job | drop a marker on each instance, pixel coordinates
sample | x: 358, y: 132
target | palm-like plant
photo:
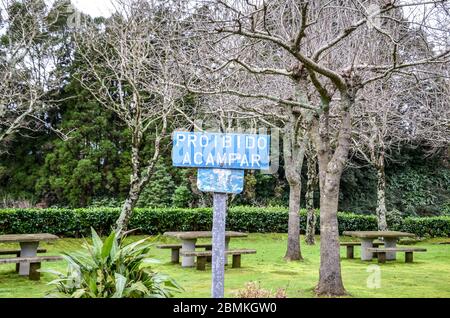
x: 111, y: 269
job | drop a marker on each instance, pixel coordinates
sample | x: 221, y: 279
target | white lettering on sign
x: 250, y: 143
x: 203, y: 141
x: 227, y: 141
x: 244, y: 161
x: 187, y: 159
x: 233, y: 157
x: 221, y: 150
x: 221, y: 160
x: 192, y: 139
x: 256, y: 159
x: 210, y: 160
x: 227, y: 158
x: 262, y: 143
x: 181, y: 138
x: 198, y: 158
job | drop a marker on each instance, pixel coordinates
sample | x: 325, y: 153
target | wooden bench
x: 175, y: 258
x: 381, y: 252
x: 35, y: 263
x: 17, y: 253
x: 351, y: 247
x: 202, y: 256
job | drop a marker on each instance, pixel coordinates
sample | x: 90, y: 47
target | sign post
x: 221, y: 159
x: 218, y: 244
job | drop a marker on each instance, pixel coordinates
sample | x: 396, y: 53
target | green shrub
x: 111, y: 269
x: 76, y: 223
x: 428, y: 227
x: 181, y: 196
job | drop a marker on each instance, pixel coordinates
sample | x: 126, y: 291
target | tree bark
x: 331, y: 166
x: 309, y: 197
x: 127, y: 208
x: 133, y: 192
x: 330, y: 279
x: 294, y: 152
x: 138, y: 179
x: 293, y: 251
x: 381, y: 195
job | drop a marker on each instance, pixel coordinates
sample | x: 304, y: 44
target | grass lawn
x: 428, y: 276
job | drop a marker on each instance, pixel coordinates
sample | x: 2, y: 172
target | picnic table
x: 367, y: 238
x: 29, y: 244
x: 189, y: 239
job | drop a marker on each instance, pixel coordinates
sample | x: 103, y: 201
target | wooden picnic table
x: 29, y: 244
x: 189, y: 239
x: 367, y: 237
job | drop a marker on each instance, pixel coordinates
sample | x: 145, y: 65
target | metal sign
x: 221, y: 150
x: 222, y: 159
x: 220, y: 180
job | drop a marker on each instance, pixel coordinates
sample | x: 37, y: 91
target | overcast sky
x: 105, y: 8
x: 94, y: 7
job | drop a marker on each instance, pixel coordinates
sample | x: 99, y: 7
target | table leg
x: 390, y: 243
x: 365, y: 244
x: 227, y: 242
x: 27, y: 249
x: 188, y: 245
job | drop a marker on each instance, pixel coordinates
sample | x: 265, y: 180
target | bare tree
x: 129, y: 70
x: 27, y: 66
x: 337, y: 48
x: 379, y: 129
x: 400, y: 110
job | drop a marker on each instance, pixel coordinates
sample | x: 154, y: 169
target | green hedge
x: 431, y: 227
x: 76, y: 223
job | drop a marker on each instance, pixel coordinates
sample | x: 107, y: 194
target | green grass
x: 428, y: 276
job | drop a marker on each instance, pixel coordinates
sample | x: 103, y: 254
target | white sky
x: 94, y: 8
x: 104, y: 8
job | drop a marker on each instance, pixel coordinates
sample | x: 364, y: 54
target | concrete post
x: 188, y: 246
x: 365, y: 244
x: 27, y: 249
x: 218, y: 244
x: 390, y: 242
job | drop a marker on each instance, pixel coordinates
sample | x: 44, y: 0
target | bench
x: 35, y: 263
x: 381, y: 252
x: 175, y: 259
x: 351, y: 247
x: 202, y: 256
x: 17, y: 253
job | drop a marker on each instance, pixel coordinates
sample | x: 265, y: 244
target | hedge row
x: 76, y: 223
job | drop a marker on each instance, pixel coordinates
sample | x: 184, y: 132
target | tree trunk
x: 135, y: 186
x: 138, y: 179
x: 331, y: 166
x: 293, y: 251
x: 381, y: 195
x: 330, y: 279
x: 294, y: 152
x: 309, y: 197
x: 127, y: 208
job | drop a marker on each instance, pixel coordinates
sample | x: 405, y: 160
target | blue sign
x: 221, y: 150
x: 220, y: 180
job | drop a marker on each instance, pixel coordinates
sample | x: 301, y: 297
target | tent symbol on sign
x: 220, y: 180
